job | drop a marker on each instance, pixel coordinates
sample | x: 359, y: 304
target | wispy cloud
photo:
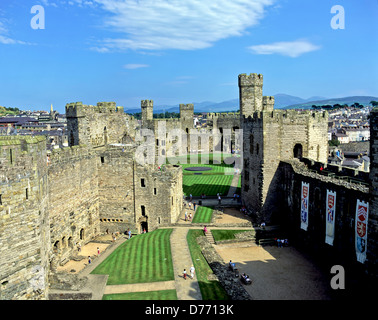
x: 135, y: 66
x: 178, y: 24
x: 291, y: 49
x: 5, y: 39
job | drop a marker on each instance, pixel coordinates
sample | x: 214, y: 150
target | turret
x: 268, y: 103
x: 147, y: 110
x: 250, y: 93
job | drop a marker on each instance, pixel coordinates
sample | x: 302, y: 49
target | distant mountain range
x: 282, y: 101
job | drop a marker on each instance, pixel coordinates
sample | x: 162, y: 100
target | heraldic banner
x: 362, y: 213
x: 304, y: 205
x: 330, y: 217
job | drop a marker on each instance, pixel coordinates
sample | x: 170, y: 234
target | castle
x: 49, y: 203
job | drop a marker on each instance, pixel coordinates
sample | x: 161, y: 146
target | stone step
x: 209, y: 237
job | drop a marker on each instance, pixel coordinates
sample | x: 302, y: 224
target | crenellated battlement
x: 78, y: 109
x: 147, y: 103
x: 188, y: 106
x: 250, y: 80
x: 288, y: 116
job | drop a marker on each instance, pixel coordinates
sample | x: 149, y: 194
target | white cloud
x: 291, y: 49
x: 135, y: 66
x: 4, y: 39
x: 178, y: 24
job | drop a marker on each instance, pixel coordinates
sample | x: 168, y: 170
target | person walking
x: 184, y: 274
x: 192, y: 269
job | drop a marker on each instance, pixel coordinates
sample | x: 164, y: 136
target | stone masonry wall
x: 24, y: 234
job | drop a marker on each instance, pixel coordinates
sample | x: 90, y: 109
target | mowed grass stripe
x: 134, y: 261
x: 209, y: 185
x: 203, y: 215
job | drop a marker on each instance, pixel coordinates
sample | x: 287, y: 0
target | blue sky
x: 182, y: 51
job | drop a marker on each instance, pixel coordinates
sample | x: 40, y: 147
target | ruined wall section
x: 158, y: 195
x: 73, y: 199
x: 99, y: 125
x: 24, y: 218
x: 116, y: 188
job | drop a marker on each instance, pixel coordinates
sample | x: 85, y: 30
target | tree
x: 374, y: 103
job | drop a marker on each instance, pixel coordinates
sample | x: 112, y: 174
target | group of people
x: 191, y: 270
x: 188, y: 217
x: 282, y: 242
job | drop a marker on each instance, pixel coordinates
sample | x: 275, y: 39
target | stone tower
x: 250, y: 93
x: 97, y: 125
x: 186, y: 115
x: 269, y: 137
x: 147, y: 110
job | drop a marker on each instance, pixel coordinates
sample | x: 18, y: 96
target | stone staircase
x: 209, y: 236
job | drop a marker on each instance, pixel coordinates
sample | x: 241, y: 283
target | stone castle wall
x: 342, y: 252
x: 73, y: 199
x: 24, y: 218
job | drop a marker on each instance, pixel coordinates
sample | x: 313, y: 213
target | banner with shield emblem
x: 330, y: 217
x: 362, y: 214
x: 304, y: 205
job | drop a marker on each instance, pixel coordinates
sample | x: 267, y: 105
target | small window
x: 143, y: 209
x: 11, y: 156
x: 27, y: 193
x: 142, y: 183
x: 102, y: 160
x: 154, y: 193
x: 1, y: 200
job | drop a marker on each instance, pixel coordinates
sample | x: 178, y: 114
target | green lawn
x: 210, y: 289
x: 207, y: 184
x: 225, y: 234
x: 148, y: 295
x: 203, y: 215
x: 143, y: 258
x: 217, y: 180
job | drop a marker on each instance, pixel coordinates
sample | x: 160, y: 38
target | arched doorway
x: 298, y: 151
x: 144, y: 226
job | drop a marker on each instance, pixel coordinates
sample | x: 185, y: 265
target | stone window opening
x: 142, y: 183
x: 298, y: 151
x: 143, y: 210
x: 27, y: 194
x: 155, y: 192
x: 102, y: 160
x: 82, y: 234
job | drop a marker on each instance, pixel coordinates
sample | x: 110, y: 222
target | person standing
x: 184, y: 274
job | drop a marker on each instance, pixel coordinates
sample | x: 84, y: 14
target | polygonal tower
x: 250, y: 93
